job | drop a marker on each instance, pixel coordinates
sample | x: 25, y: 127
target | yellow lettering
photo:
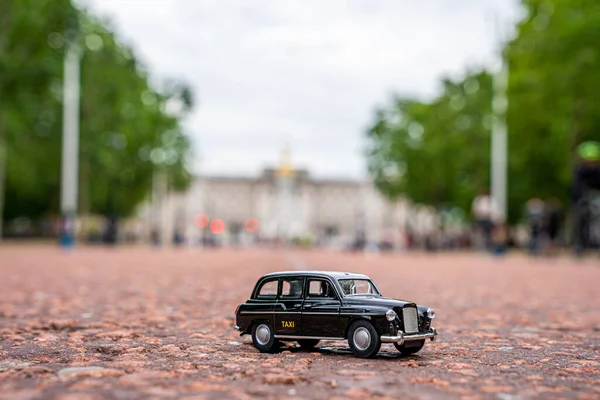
x: 287, y: 324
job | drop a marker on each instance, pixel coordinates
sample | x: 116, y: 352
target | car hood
x: 376, y: 301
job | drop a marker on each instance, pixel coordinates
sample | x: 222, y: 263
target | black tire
x: 414, y: 348
x: 363, y: 339
x: 263, y: 338
x: 308, y: 343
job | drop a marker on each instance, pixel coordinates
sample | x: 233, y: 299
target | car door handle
x: 298, y: 305
x: 308, y: 306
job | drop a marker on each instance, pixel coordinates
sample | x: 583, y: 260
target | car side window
x: 320, y: 288
x: 268, y: 290
x: 292, y: 288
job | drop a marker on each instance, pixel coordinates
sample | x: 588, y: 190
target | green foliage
x: 553, y: 96
x: 128, y: 129
x: 437, y: 152
x: 27, y: 68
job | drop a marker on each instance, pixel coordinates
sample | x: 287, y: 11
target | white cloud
x: 305, y: 71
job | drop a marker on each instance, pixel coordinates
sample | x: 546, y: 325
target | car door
x: 288, y: 308
x: 321, y: 309
x: 261, y: 304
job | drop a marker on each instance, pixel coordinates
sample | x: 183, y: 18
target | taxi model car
x: 309, y: 306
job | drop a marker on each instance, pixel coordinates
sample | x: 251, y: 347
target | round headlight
x: 430, y: 313
x: 391, y: 315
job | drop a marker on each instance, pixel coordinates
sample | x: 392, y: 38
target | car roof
x: 331, y: 274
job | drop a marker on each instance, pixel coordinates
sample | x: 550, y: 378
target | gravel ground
x: 143, y: 323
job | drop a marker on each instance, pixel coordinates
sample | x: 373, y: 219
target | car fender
x: 373, y: 319
x: 258, y: 321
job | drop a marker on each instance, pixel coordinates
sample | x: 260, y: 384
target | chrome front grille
x: 411, y: 322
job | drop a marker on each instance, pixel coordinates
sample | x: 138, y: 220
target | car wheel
x: 263, y: 338
x: 363, y: 339
x: 308, y: 343
x: 414, y: 347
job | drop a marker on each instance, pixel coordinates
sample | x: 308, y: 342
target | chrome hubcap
x: 362, y: 338
x: 263, y: 334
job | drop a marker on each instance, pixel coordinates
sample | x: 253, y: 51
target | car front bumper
x: 403, y: 337
x: 239, y: 328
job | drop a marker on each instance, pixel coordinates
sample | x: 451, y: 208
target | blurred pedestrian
x: 553, y: 224
x: 155, y: 237
x: 111, y: 230
x: 178, y: 238
x: 535, y: 223
x: 500, y: 239
x: 485, y: 211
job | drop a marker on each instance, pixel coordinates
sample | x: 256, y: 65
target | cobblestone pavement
x: 144, y: 323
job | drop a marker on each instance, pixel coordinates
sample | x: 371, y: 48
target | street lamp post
x: 70, y: 144
x: 499, y: 142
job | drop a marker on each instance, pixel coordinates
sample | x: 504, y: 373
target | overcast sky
x: 304, y: 72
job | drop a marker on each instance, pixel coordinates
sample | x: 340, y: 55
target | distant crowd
x: 542, y: 231
x: 546, y: 221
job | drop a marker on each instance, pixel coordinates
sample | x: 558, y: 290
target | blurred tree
x: 28, y: 67
x: 553, y: 96
x: 435, y: 152
x: 438, y: 152
x: 129, y: 130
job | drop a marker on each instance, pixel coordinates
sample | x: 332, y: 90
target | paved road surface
x: 159, y: 324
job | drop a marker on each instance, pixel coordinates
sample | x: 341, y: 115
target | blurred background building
x: 284, y: 204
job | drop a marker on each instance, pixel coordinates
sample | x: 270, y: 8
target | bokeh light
x: 217, y: 226
x: 252, y: 225
x: 201, y: 220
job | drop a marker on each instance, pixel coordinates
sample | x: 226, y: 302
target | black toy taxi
x: 309, y: 306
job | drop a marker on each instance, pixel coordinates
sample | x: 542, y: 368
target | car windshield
x: 358, y: 287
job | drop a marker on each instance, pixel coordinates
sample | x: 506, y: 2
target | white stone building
x: 288, y: 204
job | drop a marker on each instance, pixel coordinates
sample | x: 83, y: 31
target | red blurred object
x: 201, y: 221
x: 217, y: 226
x: 252, y: 225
